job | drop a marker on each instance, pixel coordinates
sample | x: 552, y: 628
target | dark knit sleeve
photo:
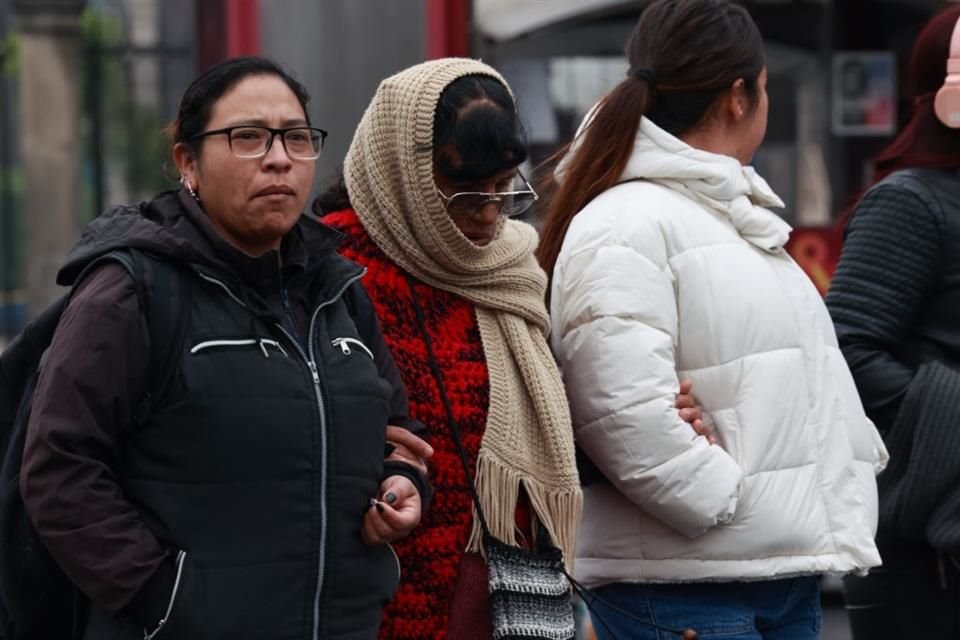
x: 921, y: 485
x: 889, y: 266
x: 368, y: 326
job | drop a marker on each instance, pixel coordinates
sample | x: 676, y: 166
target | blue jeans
x: 786, y: 609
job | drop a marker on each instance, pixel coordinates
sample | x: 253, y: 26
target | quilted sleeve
x: 889, y: 266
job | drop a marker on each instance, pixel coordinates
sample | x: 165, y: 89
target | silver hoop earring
x: 186, y: 185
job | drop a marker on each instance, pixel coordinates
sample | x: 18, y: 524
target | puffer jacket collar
x: 716, y: 181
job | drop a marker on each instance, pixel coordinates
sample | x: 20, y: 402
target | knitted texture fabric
x: 528, y: 439
x: 529, y: 593
x: 430, y: 556
x: 894, y: 301
x: 920, y: 489
x: 894, y: 263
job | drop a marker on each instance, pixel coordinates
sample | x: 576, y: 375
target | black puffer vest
x: 259, y: 466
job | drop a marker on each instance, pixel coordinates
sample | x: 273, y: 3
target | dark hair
x: 924, y: 142
x: 693, y: 50
x: 476, y: 116
x: 333, y: 195
x: 199, y: 98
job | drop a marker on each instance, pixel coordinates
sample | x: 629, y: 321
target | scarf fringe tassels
x: 528, y: 437
x: 558, y: 511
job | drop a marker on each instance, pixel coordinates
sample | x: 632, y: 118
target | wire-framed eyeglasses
x: 252, y: 141
x: 509, y: 203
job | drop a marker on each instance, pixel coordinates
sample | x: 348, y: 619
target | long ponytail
x: 603, y: 150
x: 683, y: 55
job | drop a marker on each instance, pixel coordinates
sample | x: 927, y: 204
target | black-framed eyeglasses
x: 252, y: 141
x: 509, y: 203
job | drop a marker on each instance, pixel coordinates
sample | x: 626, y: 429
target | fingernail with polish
x: 373, y: 503
x: 390, y: 498
x: 379, y: 507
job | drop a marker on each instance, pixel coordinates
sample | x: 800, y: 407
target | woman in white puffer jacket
x: 667, y: 264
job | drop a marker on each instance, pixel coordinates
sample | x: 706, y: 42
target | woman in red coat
x: 430, y: 184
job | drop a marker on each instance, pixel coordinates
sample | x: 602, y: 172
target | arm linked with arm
x: 368, y: 326
x: 618, y: 326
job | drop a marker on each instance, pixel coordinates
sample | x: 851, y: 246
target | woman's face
x: 253, y: 202
x: 480, y: 226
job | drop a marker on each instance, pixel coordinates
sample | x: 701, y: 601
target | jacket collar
x: 174, y: 227
x: 306, y: 257
x: 715, y: 181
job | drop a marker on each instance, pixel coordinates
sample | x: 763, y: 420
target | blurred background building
x: 86, y: 87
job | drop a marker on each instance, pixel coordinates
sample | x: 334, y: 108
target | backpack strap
x: 36, y: 599
x: 20, y: 367
x: 19, y: 363
x: 361, y: 311
x: 164, y: 293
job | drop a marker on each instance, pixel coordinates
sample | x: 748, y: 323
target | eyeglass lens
x: 509, y: 204
x: 468, y: 204
x: 251, y: 142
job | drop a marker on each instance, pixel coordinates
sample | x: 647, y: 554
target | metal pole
x: 129, y: 120
x: 95, y: 107
x: 834, y: 152
x: 8, y: 261
x: 50, y: 104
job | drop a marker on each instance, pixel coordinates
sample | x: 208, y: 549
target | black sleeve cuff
x: 412, y: 425
x: 151, y: 602
x: 400, y: 468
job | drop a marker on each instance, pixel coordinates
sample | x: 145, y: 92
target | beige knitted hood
x: 528, y: 439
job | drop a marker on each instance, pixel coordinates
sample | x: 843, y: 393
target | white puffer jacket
x: 681, y: 273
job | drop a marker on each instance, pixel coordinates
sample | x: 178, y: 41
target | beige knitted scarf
x: 528, y: 438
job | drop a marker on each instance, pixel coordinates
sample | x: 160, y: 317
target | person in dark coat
x: 895, y: 302
x: 253, y: 500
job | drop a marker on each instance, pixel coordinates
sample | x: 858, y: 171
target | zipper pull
x: 263, y: 348
x: 313, y: 371
x: 344, y: 347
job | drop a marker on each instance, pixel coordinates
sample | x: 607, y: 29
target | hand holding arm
x: 409, y: 448
x: 617, y: 323
x: 692, y: 413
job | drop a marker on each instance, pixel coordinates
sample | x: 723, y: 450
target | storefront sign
x: 864, y: 93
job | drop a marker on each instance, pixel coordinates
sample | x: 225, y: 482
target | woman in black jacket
x: 251, y: 500
x: 895, y: 301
